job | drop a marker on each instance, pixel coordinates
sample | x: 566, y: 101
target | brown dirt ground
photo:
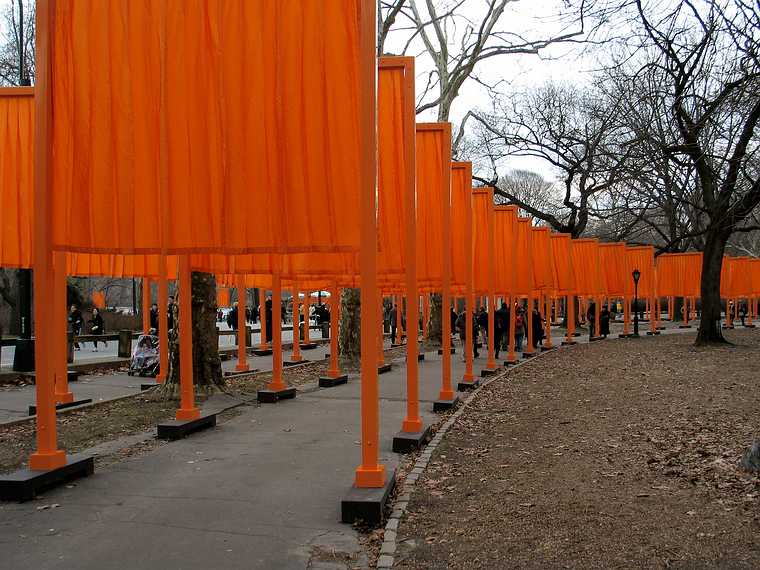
x: 618, y: 454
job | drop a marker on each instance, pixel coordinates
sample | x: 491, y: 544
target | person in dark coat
x: 170, y: 313
x: 97, y: 327
x: 500, y: 327
x: 453, y: 319
x: 394, y: 323
x: 461, y: 327
x: 482, y: 319
x: 537, y: 322
x: 75, y: 320
x: 154, y: 317
x: 232, y: 317
x: 268, y: 313
x: 591, y: 318
x: 604, y: 321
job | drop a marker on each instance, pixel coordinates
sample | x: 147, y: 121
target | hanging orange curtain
x: 433, y: 200
x: 99, y: 299
x: 16, y: 176
x: 222, y: 297
x: 614, y: 268
x: 562, y: 261
x: 483, y: 240
x: 119, y: 266
x: 505, y: 247
x: 524, y: 257
x: 588, y: 278
x: 226, y: 125
x: 642, y: 258
x: 543, y: 272
x: 395, y: 131
x: 461, y: 215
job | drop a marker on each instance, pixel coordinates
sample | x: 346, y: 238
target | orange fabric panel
x: 562, y: 260
x: 588, y: 277
x: 543, y: 272
x: 222, y: 297
x: 16, y: 176
x: 678, y: 274
x: 119, y: 266
x: 614, y: 268
x: 99, y: 299
x: 483, y: 239
x: 395, y: 132
x: 505, y: 247
x: 754, y: 267
x: 736, y: 277
x: 217, y: 125
x: 524, y: 257
x: 461, y: 216
x: 433, y: 169
x: 642, y: 258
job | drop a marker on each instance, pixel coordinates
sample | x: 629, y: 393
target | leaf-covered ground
x: 618, y: 454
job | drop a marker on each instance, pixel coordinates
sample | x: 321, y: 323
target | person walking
x: 394, y: 323
x: 482, y: 320
x: 500, y: 327
x: 232, y: 317
x: 170, y: 313
x: 268, y: 314
x: 519, y: 329
x: 97, y: 327
x: 75, y: 323
x: 154, y: 317
x: 461, y: 327
x: 604, y: 321
x: 537, y: 322
x: 743, y: 312
x: 591, y: 318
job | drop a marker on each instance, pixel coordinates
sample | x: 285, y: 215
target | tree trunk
x: 349, y: 336
x: 712, y: 261
x: 207, y: 367
x: 435, y: 325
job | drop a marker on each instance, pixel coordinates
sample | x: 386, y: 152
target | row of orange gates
x: 280, y: 154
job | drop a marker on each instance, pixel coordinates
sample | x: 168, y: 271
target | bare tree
x: 577, y: 133
x: 705, y: 57
x: 17, y: 50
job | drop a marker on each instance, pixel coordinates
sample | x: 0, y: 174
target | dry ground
x: 618, y: 454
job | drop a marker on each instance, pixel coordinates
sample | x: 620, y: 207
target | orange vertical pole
x: 626, y: 316
x: 187, y: 409
x: 62, y: 393
x: 529, y: 324
x: 685, y: 309
x: 750, y: 310
x: 370, y: 473
x: 306, y: 308
x: 277, y: 384
x: 163, y: 322
x: 334, y: 371
x: 412, y: 422
x: 47, y: 456
x: 381, y: 336
x: 548, y: 319
x: 425, y: 314
x: 296, y: 355
x: 397, y: 340
x: 652, y: 315
x: 511, y: 356
x: 242, y: 363
x: 469, y: 356
x: 146, y: 304
x: 263, y: 320
x: 491, y: 361
x: 570, y: 310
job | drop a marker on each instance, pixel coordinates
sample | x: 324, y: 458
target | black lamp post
x: 636, y: 276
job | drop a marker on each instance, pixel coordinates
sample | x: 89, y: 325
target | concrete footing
x: 178, y: 429
x: 330, y: 382
x: 367, y: 505
x: 466, y: 385
x: 32, y: 410
x: 25, y: 484
x: 274, y: 396
x: 405, y: 442
x: 382, y: 369
x: 444, y: 405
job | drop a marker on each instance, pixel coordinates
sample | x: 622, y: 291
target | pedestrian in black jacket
x: 97, y: 327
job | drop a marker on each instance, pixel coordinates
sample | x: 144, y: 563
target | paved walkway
x: 262, y: 490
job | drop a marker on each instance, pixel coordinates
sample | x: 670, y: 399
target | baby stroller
x: 145, y: 360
